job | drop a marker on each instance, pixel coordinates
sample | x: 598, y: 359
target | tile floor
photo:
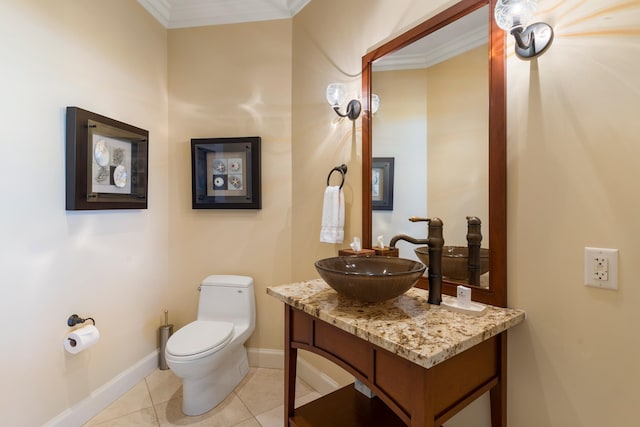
x: 157, y: 401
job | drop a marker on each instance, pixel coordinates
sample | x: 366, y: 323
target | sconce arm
x: 523, y: 38
x: 353, y: 110
x: 533, y: 40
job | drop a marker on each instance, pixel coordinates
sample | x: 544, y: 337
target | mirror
x: 441, y: 118
x: 434, y: 124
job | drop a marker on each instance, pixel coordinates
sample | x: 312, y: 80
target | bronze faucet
x: 474, y: 237
x: 435, y: 241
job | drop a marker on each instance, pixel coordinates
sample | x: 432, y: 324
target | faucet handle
x: 474, y: 231
x: 417, y: 219
x: 473, y: 220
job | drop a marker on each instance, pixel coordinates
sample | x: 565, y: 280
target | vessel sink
x: 454, y: 260
x: 370, y: 278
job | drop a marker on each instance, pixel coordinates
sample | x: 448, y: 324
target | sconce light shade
x: 512, y: 13
x: 512, y: 16
x: 336, y: 95
x: 375, y: 103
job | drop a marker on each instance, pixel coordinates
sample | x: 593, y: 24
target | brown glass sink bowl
x: 454, y: 260
x: 371, y: 278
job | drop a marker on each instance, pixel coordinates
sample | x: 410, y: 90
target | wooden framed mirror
x: 491, y: 157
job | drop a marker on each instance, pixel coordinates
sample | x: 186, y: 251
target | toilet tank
x: 227, y: 298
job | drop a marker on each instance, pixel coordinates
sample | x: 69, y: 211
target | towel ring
x: 342, y: 169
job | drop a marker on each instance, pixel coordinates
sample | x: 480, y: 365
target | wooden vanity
x: 423, y: 362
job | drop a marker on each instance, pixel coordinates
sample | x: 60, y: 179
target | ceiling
x: 196, y: 13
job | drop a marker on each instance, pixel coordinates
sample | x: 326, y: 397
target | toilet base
x: 200, y: 395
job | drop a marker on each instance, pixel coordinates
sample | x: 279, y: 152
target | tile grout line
x: 153, y: 405
x: 247, y: 408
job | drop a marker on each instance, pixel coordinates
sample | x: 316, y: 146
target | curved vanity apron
x: 199, y: 339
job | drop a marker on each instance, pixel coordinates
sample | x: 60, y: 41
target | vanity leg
x: 290, y: 359
x: 422, y: 410
x: 498, y: 394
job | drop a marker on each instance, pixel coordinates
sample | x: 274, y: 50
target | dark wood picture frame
x: 226, y: 173
x: 106, y: 163
x: 382, y: 183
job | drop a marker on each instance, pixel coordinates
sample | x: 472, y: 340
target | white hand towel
x: 332, y: 230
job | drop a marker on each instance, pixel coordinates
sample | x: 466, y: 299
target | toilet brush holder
x: 165, y: 332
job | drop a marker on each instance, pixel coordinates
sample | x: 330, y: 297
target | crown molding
x: 195, y: 13
x: 296, y: 6
x: 434, y: 54
x: 159, y: 9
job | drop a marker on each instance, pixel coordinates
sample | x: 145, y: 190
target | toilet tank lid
x: 228, y: 280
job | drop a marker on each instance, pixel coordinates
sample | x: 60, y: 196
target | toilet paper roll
x: 81, y: 339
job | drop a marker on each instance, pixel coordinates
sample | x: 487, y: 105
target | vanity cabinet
x: 423, y: 363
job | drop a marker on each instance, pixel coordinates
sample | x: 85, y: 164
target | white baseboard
x: 89, y: 407
x: 265, y: 358
x: 269, y: 358
x: 98, y: 400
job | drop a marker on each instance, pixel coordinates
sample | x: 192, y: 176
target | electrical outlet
x: 601, y: 268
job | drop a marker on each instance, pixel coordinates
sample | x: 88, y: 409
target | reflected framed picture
x: 107, y: 163
x: 382, y: 183
x: 225, y: 173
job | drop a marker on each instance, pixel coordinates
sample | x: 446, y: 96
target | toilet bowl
x: 208, y: 354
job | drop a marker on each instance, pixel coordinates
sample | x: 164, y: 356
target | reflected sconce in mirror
x: 336, y: 95
x: 531, y: 41
x: 375, y: 103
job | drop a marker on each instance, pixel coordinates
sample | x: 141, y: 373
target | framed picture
x: 382, y: 183
x: 107, y: 163
x: 225, y: 173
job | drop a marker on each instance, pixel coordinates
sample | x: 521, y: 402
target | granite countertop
x: 407, y: 325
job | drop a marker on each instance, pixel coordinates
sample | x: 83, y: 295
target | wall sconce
x: 512, y: 15
x: 336, y: 95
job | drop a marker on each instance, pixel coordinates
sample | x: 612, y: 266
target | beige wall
x: 231, y: 81
x: 329, y: 39
x: 110, y: 58
x: 572, y: 182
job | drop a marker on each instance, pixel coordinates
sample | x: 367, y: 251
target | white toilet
x: 209, y: 354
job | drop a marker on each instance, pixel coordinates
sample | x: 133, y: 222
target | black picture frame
x: 382, y: 183
x: 226, y: 173
x: 106, y: 163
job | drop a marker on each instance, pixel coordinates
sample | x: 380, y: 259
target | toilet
x: 208, y: 354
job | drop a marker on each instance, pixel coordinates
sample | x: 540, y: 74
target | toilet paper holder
x: 80, y: 338
x: 74, y: 319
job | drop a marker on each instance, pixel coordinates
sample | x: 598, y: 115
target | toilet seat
x: 199, y: 339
